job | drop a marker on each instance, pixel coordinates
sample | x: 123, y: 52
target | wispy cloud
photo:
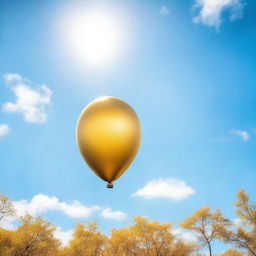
x: 115, y: 215
x: 242, y: 134
x: 164, y: 10
x: 210, y: 11
x: 30, y: 102
x: 172, y: 189
x: 4, y: 130
x: 12, y: 77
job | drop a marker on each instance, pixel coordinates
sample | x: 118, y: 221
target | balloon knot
x: 110, y: 185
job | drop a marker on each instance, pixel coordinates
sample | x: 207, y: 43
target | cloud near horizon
x: 31, y: 102
x: 63, y: 235
x: 41, y: 204
x: 186, y: 235
x: 172, y: 189
x: 211, y: 11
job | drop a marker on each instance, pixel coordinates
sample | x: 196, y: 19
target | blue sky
x: 186, y: 67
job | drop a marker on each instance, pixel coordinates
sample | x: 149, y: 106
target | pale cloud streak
x: 31, y: 102
x: 164, y: 10
x: 13, y: 77
x: 115, y: 215
x: 4, y: 130
x: 244, y: 135
x: 172, y: 189
x: 210, y: 11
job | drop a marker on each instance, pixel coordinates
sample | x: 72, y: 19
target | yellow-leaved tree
x: 205, y: 225
x: 153, y: 237
x: 35, y: 237
x: 231, y: 252
x: 242, y: 234
x: 86, y: 241
x: 147, y: 238
x: 122, y: 242
x: 6, y: 242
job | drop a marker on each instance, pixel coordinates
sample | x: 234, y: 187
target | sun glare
x: 93, y: 36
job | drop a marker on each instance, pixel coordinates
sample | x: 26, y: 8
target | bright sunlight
x: 93, y: 36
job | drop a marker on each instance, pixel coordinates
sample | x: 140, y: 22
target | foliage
x: 242, y: 234
x: 87, y: 240
x: 232, y: 253
x: 35, y: 236
x: 145, y: 237
x: 205, y: 224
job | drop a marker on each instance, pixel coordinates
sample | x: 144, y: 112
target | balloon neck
x: 110, y: 185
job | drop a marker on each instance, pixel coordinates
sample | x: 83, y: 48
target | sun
x: 94, y: 36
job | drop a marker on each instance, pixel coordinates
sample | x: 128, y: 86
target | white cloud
x: 41, y: 203
x: 185, y: 235
x: 164, y: 10
x: 63, y: 236
x: 4, y: 130
x: 8, y: 223
x: 12, y: 77
x: 172, y: 189
x: 243, y: 134
x: 30, y: 102
x: 211, y: 11
x: 107, y: 213
x: 237, y: 221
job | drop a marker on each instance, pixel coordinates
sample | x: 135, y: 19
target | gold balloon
x: 108, y: 137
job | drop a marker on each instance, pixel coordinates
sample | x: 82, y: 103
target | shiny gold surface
x: 108, y: 136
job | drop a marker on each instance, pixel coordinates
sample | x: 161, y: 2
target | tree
x: 87, y: 241
x: 122, y: 242
x: 153, y: 237
x: 6, y: 207
x: 205, y: 225
x: 6, y: 241
x: 146, y: 238
x: 231, y: 252
x: 35, y: 237
x: 182, y: 248
x: 243, y: 233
